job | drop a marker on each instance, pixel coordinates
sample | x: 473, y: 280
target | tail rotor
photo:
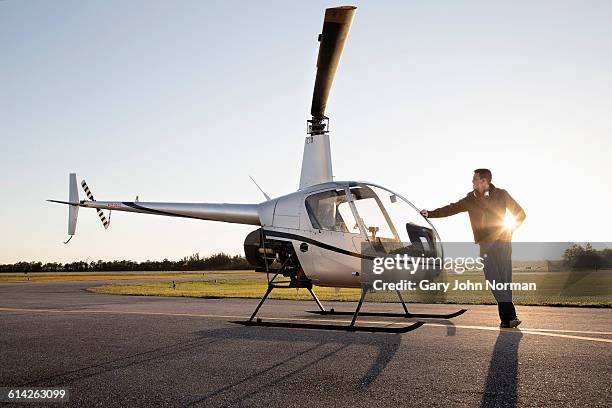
x: 105, y: 222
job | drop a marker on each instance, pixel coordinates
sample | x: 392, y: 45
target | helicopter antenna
x: 260, y: 189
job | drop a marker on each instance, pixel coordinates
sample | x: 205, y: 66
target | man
x: 486, y: 206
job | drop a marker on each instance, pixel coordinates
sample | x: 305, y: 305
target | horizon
x: 522, y: 252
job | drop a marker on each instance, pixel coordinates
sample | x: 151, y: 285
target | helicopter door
x: 334, y: 230
x: 375, y: 220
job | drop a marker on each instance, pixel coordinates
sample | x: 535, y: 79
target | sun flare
x: 509, y: 221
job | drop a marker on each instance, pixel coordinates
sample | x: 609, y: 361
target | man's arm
x: 516, y: 210
x: 448, y: 210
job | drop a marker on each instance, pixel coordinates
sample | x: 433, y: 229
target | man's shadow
x: 502, y: 380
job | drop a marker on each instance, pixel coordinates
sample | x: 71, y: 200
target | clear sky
x: 182, y: 100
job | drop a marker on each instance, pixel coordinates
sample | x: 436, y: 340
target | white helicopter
x: 316, y: 235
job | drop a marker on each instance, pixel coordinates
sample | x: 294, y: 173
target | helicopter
x: 317, y: 234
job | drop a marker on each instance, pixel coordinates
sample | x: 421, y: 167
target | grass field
x: 123, y: 275
x: 581, y: 288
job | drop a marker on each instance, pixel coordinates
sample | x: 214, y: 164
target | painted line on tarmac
x: 539, y: 332
x: 568, y: 331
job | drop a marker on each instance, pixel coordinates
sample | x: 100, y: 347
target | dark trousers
x: 498, y: 269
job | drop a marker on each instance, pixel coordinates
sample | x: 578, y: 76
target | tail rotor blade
x: 90, y: 196
x: 336, y: 27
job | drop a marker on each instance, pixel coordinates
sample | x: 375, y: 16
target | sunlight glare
x: 509, y: 221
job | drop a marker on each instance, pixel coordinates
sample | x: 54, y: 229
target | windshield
x: 391, y: 222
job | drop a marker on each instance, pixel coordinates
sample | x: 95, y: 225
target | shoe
x: 510, y: 324
x: 514, y: 322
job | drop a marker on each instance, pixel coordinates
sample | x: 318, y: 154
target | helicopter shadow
x: 132, y: 360
x: 387, y: 346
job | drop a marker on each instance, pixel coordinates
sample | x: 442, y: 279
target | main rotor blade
x: 336, y: 26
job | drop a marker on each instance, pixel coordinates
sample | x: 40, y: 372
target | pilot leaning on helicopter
x: 486, y: 206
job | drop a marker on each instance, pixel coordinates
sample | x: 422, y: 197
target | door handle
x: 304, y: 247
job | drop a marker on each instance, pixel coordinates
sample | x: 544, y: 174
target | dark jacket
x: 487, y: 213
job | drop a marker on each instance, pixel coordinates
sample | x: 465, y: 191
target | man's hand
x: 424, y: 213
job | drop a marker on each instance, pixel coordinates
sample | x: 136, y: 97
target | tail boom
x: 232, y: 213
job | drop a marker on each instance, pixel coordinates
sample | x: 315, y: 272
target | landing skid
x: 307, y: 284
x: 406, y: 313
x: 332, y: 312
x: 370, y: 329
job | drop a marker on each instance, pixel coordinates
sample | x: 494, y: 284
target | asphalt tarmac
x: 149, y: 351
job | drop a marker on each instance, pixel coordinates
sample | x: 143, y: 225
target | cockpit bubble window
x: 373, y: 215
x: 391, y: 221
x: 330, y: 210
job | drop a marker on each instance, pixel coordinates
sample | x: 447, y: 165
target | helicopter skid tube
x: 335, y: 327
x: 406, y: 313
x: 383, y: 314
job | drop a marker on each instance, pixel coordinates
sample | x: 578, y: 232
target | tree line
x: 220, y: 261
x: 583, y: 257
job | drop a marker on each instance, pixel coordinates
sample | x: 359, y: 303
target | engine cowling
x: 269, y: 255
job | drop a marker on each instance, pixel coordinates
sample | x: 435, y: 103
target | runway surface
x: 149, y: 351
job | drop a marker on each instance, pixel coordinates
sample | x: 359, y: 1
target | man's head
x: 481, y: 180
